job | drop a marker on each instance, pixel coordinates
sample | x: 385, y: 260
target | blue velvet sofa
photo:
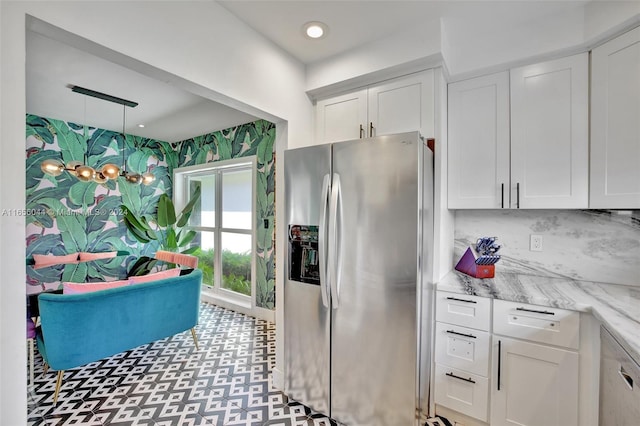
x: 77, y: 329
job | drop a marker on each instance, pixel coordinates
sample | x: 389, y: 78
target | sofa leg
x: 195, y: 338
x: 58, y: 385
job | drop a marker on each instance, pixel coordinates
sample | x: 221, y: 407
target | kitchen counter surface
x: 616, y: 306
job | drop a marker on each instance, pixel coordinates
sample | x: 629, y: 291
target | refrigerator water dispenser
x: 303, y: 254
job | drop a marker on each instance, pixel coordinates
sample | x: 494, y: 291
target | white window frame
x: 217, y: 294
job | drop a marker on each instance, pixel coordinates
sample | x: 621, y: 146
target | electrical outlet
x: 535, y: 242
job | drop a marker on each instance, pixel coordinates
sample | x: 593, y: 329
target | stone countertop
x: 616, y: 306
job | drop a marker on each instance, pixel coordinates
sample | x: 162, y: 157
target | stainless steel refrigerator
x: 357, y: 297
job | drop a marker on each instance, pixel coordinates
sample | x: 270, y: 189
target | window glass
x: 204, y: 213
x: 236, y: 199
x: 236, y: 262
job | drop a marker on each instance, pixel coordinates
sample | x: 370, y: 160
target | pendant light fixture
x: 83, y: 171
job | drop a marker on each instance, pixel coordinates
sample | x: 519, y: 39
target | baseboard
x: 259, y: 313
x: 277, y: 379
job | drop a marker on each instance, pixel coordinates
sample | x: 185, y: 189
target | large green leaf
x: 72, y: 145
x: 137, y: 227
x: 186, y: 211
x: 75, y: 272
x: 171, y: 243
x: 34, y: 160
x: 166, y: 211
x: 49, y: 243
x: 40, y: 128
x: 186, y: 238
x: 137, y: 162
x: 83, y: 193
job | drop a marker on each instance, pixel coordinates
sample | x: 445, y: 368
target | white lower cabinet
x: 515, y: 364
x: 533, y: 384
x: 462, y: 353
x: 464, y: 392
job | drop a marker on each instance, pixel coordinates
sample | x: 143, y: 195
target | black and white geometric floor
x: 168, y: 382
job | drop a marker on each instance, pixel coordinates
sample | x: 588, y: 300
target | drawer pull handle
x: 535, y: 311
x: 461, y: 300
x: 461, y: 378
x: 461, y: 334
x: 499, y: 361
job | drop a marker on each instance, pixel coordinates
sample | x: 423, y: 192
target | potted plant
x: 168, y: 228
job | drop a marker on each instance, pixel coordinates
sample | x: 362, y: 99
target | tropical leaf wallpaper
x: 64, y: 215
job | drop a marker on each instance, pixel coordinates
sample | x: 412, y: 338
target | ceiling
x: 172, y: 114
x: 353, y: 23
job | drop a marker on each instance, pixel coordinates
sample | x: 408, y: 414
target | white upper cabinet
x: 519, y: 139
x: 615, y: 123
x: 404, y: 104
x: 479, y: 142
x: 550, y: 134
x: 341, y: 118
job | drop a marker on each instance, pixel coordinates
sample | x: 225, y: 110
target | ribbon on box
x: 479, y: 261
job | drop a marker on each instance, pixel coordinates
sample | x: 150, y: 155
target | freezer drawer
x: 619, y: 384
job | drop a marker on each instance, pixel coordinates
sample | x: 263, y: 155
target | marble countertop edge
x: 616, y: 306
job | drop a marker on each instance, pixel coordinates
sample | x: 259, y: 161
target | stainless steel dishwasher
x: 619, y: 384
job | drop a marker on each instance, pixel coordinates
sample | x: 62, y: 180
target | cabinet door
x: 615, y: 123
x: 405, y: 104
x: 341, y: 118
x: 533, y: 384
x: 479, y: 143
x: 549, y: 134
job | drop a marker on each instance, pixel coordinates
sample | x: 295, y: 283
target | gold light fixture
x: 84, y: 172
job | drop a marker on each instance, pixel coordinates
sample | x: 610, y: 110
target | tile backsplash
x: 589, y: 245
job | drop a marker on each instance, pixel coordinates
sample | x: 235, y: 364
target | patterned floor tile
x: 169, y: 382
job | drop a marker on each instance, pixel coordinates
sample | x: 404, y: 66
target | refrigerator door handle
x: 335, y: 240
x: 322, y: 246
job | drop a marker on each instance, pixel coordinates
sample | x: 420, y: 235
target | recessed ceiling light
x: 315, y: 29
x: 141, y: 125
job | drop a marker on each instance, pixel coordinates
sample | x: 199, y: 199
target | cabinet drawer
x: 464, y: 310
x: 462, y: 348
x: 537, y: 323
x: 462, y: 391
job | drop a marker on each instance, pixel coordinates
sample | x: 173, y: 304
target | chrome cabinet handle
x: 535, y: 311
x: 518, y: 195
x: 461, y: 334
x: 461, y: 378
x: 502, y: 202
x: 371, y: 129
x: 361, y: 131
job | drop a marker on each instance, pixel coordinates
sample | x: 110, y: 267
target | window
x: 224, y: 222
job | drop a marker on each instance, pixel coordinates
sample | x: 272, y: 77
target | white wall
x: 469, y: 45
x: 407, y: 47
x: 199, y: 42
x: 601, y: 17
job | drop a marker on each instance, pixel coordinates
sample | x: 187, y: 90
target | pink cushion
x: 167, y: 256
x: 77, y: 288
x: 185, y: 260
x: 50, y: 259
x: 93, y: 256
x: 174, y: 272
